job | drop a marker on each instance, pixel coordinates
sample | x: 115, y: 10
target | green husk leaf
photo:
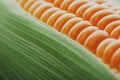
x: 31, y: 50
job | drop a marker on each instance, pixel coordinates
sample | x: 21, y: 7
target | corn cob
x: 41, y: 53
x: 90, y: 24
